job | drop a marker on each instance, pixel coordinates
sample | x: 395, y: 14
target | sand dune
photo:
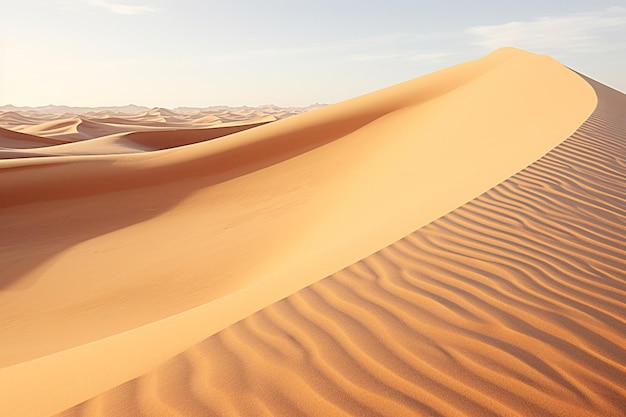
x: 97, y: 124
x: 512, y: 304
x: 108, y: 134
x: 13, y: 119
x: 54, y: 127
x: 10, y: 139
x: 145, y: 140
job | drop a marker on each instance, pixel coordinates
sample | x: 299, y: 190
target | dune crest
x: 513, y: 304
x: 189, y: 240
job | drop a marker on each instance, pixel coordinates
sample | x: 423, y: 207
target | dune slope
x: 113, y: 264
x: 16, y: 140
x: 513, y: 304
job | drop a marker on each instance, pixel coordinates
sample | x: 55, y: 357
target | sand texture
x: 470, y: 223
x: 513, y: 304
x: 35, y: 134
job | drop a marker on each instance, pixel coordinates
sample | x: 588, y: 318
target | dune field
x: 452, y: 245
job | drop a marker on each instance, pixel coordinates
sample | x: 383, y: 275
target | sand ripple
x: 513, y: 304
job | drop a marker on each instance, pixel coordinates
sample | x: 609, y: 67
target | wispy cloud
x: 373, y: 57
x: 583, y: 32
x: 401, y: 56
x: 429, y: 56
x: 120, y: 8
x: 382, y: 47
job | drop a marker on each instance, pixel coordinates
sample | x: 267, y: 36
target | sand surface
x: 125, y: 248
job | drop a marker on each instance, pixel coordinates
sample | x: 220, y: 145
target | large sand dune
x: 113, y: 263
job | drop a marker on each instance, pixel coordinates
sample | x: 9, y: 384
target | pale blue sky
x: 245, y: 52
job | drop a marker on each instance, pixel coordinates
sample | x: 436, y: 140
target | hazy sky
x: 249, y: 52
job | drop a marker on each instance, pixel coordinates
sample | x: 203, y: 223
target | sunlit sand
x: 451, y: 245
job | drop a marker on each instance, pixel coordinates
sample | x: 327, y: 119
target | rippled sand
x: 470, y: 221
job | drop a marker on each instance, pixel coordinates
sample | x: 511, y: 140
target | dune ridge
x: 139, y: 140
x: 98, y: 123
x: 10, y: 139
x: 104, y: 133
x: 188, y: 240
x: 513, y: 304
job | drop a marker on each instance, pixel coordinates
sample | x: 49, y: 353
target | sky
x: 198, y: 53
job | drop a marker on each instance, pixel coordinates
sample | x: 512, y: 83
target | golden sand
x: 130, y: 242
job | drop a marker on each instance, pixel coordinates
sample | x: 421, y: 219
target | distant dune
x: 451, y: 245
x: 132, y: 109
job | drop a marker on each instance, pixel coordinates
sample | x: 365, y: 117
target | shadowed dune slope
x: 114, y: 263
x: 17, y: 140
x: 150, y: 139
x: 97, y: 124
x: 513, y: 304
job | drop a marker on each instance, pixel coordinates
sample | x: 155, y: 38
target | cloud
x: 374, y: 57
x: 126, y: 9
x: 429, y: 56
x: 583, y: 32
x: 401, y: 56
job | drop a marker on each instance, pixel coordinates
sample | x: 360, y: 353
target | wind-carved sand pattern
x: 513, y: 304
